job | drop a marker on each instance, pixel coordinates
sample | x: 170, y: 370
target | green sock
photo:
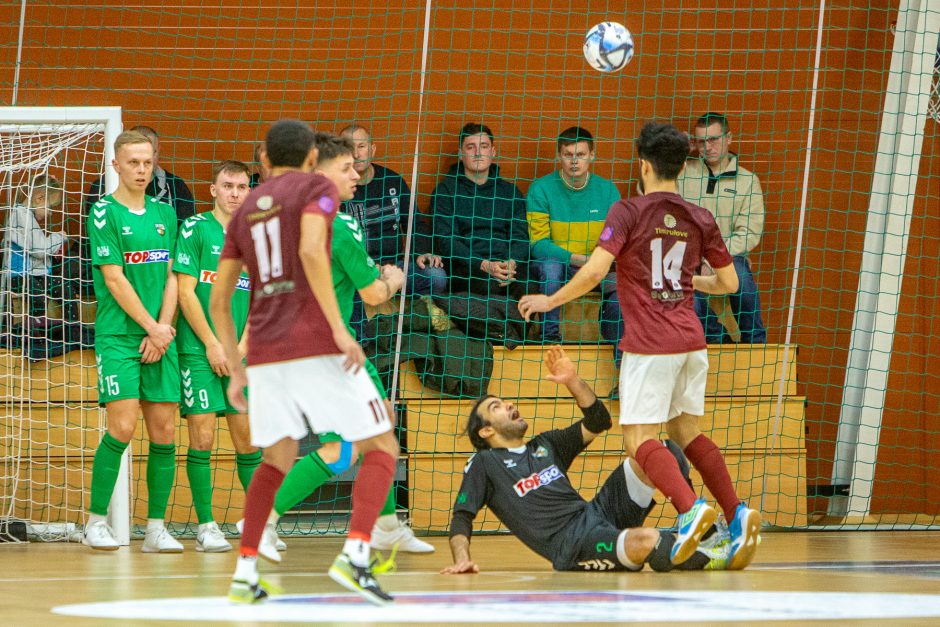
x: 200, y: 483
x: 308, y: 474
x: 389, y: 507
x: 104, y: 472
x: 245, y: 465
x: 161, y: 474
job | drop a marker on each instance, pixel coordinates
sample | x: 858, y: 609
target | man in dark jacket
x: 479, y: 219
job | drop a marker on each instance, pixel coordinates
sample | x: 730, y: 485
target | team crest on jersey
x: 670, y: 221
x: 537, y: 479
x: 134, y: 257
x: 607, y: 233
x: 208, y: 276
x: 264, y: 203
x: 161, y: 230
x: 326, y: 204
x: 540, y: 452
x: 104, y: 251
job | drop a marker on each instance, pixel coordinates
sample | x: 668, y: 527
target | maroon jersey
x: 659, y: 241
x: 285, y: 320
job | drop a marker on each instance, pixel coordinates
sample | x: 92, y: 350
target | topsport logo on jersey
x: 146, y: 256
x: 208, y: 276
x: 537, y: 479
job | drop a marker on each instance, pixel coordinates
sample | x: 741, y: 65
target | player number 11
x: 668, y: 266
x: 269, y: 261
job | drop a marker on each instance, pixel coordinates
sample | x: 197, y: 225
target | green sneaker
x: 243, y: 592
x: 717, y: 547
x: 358, y: 579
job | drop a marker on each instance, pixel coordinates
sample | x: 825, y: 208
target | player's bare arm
x: 315, y: 259
x: 460, y: 549
x: 562, y: 371
x: 220, y: 308
x: 383, y: 288
x: 590, y: 274
x: 192, y: 311
x: 723, y: 281
x: 160, y: 334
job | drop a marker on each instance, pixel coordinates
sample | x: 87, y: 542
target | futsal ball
x: 608, y: 47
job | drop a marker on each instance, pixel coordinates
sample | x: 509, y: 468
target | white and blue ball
x: 608, y: 47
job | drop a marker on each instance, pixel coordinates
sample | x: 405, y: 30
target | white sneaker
x: 401, y: 534
x: 270, y: 544
x: 210, y: 539
x: 99, y: 536
x: 159, y: 540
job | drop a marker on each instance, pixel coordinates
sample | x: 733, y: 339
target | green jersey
x: 353, y: 269
x: 142, y: 244
x: 197, y: 254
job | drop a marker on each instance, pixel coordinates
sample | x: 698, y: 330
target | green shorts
x: 122, y: 376
x: 374, y: 375
x: 202, y: 391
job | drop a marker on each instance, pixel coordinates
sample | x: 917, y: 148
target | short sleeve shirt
x: 659, y: 241
x: 198, y: 249
x: 264, y: 234
x: 528, y: 490
x: 142, y: 244
x: 353, y: 269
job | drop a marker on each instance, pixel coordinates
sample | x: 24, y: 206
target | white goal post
x: 49, y: 420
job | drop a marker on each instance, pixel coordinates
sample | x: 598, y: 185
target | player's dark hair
x: 331, y: 146
x: 665, y: 147
x: 229, y: 166
x: 710, y: 118
x: 475, y: 422
x: 473, y: 128
x: 288, y: 143
x: 574, y: 135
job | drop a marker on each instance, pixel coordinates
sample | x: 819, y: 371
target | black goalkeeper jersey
x: 529, y: 491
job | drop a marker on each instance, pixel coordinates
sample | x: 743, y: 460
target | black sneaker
x: 358, y: 579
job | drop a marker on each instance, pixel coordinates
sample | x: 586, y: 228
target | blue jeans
x: 553, y: 274
x: 745, y: 305
x: 421, y: 282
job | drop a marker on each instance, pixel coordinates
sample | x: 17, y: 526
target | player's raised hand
x: 461, y: 568
x: 561, y: 369
x: 532, y: 304
x: 215, y: 354
x: 349, y: 347
x: 237, y: 383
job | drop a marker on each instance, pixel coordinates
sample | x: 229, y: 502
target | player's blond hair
x: 128, y: 138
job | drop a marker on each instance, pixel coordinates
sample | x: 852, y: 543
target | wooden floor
x: 38, y: 577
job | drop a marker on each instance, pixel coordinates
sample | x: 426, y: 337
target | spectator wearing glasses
x: 733, y: 195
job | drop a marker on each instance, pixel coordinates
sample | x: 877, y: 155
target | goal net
x: 49, y: 419
x: 829, y: 418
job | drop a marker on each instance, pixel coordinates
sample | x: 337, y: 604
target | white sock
x: 246, y: 569
x: 358, y: 552
x: 388, y: 522
x: 155, y: 524
x: 640, y: 493
x: 273, y: 517
x: 93, y: 518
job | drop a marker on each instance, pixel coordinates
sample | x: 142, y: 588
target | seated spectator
x: 480, y: 229
x: 566, y: 211
x: 30, y: 248
x: 381, y: 205
x: 733, y: 195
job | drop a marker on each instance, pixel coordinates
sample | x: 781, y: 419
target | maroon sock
x: 370, y: 492
x: 258, y: 502
x: 663, y: 470
x: 708, y: 461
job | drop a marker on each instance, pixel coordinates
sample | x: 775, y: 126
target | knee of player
x: 640, y: 542
x: 201, y: 436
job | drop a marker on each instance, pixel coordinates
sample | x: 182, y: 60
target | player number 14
x: 270, y: 263
x: 668, y: 266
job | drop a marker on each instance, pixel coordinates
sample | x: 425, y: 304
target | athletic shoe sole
x: 742, y: 558
x: 704, y: 523
x: 342, y: 579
